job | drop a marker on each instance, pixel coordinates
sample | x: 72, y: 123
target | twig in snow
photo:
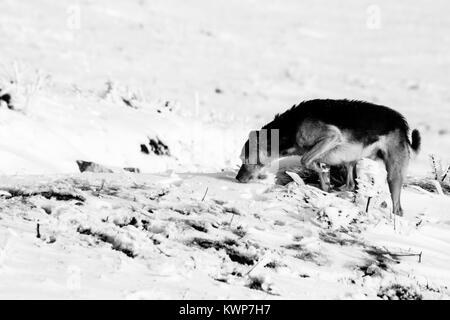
x: 445, y: 174
x: 256, y: 264
x: 231, y: 220
x: 38, y: 234
x: 97, y: 193
x: 166, y: 254
x: 408, y: 255
x: 368, y: 204
x: 403, y: 254
x: 206, y: 192
x: 195, y: 262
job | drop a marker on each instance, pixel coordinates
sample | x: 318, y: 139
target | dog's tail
x: 416, y: 141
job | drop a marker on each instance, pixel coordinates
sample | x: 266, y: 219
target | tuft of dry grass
x: 23, y: 84
x: 440, y: 172
x: 440, y: 180
x: 430, y: 185
x: 130, y: 96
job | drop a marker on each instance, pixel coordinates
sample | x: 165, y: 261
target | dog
x: 333, y: 133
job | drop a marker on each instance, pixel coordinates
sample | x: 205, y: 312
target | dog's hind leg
x: 329, y: 139
x: 396, y: 160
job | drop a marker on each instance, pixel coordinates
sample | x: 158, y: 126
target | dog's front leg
x: 350, y: 181
x: 324, y: 177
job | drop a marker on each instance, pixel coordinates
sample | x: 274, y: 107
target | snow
x: 116, y: 236
x: 94, y: 80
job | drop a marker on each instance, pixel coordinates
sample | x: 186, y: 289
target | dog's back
x: 366, y: 121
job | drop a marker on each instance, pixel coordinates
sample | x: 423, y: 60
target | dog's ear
x: 253, y: 134
x: 252, y: 151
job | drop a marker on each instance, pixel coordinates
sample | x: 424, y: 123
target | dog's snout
x: 242, y: 179
x: 246, y: 173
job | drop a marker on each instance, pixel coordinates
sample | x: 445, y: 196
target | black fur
x: 367, y: 121
x: 416, y: 141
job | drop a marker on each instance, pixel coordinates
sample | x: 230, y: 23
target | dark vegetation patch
x: 131, y: 222
x: 382, y: 257
x: 274, y: 264
x: 259, y: 283
x: 240, y: 257
x: 7, y: 99
x: 158, y: 195
x: 372, y: 270
x: 185, y: 212
x: 256, y: 283
x: 230, y: 246
x: 197, y: 208
x: 428, y: 185
x: 310, y: 256
x: 399, y: 292
x: 132, y: 169
x: 167, y: 106
x: 159, y: 148
x: 239, y: 231
x: 304, y: 275
x: 97, y: 189
x: 129, y: 103
x: 221, y: 279
x: 155, y: 146
x: 207, y: 243
x: 144, y: 149
x: 305, y: 254
x: 336, y: 238
x: 103, y: 237
x: 89, y: 166
x: 379, y: 260
x: 294, y: 246
x: 237, y: 273
x: 197, y: 225
x: 48, y: 194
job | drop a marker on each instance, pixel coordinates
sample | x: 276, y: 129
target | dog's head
x: 254, y: 157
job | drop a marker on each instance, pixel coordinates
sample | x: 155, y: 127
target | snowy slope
x: 50, y: 135
x: 236, y: 63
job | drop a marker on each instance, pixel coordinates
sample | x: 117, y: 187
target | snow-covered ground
x: 98, y: 80
x: 197, y: 236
